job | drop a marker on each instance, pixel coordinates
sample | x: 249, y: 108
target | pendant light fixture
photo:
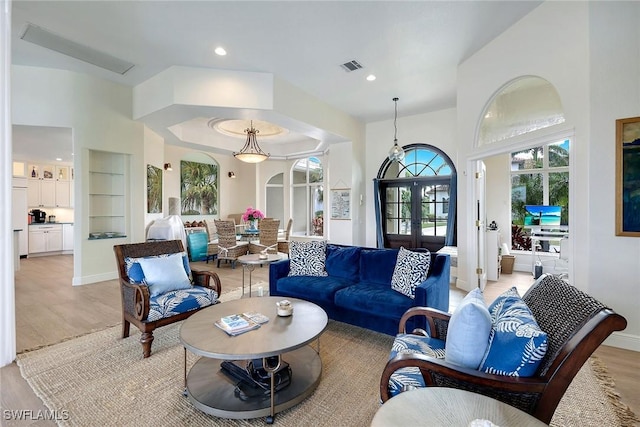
x: 251, y: 152
x: 396, y: 153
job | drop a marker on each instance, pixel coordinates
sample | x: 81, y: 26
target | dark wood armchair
x: 137, y: 304
x: 576, y: 324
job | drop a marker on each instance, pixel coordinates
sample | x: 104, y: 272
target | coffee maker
x: 38, y: 215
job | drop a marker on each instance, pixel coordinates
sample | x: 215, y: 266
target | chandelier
x: 396, y: 153
x: 251, y: 152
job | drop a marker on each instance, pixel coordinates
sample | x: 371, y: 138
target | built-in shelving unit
x: 107, y: 195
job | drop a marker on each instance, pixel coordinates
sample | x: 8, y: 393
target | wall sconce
x: 232, y: 175
x: 167, y: 167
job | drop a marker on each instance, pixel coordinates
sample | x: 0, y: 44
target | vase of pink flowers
x: 251, y: 216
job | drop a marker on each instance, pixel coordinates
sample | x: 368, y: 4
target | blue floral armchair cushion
x: 516, y: 342
x: 409, y: 343
x: 180, y: 301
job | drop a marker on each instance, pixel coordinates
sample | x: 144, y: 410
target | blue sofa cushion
x: 516, y: 342
x: 468, y: 331
x: 375, y: 298
x: 307, y: 258
x: 408, y: 343
x: 343, y: 262
x: 312, y: 288
x: 180, y: 301
x: 376, y: 265
x: 410, y: 270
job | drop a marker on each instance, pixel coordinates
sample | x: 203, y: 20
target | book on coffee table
x: 237, y: 324
x: 256, y: 317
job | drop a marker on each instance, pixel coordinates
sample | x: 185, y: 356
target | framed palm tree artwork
x: 154, y: 189
x: 628, y: 177
x: 199, y: 188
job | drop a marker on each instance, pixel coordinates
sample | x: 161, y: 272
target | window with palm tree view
x: 539, y: 177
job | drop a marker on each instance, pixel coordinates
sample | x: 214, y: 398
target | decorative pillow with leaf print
x: 517, y: 345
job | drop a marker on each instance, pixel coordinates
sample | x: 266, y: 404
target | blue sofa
x: 357, y: 289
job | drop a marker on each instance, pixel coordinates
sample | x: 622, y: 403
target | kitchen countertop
x: 49, y: 223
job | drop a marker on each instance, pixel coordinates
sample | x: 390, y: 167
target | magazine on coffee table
x: 237, y: 324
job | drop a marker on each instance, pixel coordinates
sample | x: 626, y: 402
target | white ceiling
x: 413, y: 47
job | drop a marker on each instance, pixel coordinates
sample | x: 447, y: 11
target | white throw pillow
x: 164, y: 274
x: 411, y: 269
x: 468, y: 331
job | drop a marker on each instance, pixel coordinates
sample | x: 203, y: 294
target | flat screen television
x: 542, y: 215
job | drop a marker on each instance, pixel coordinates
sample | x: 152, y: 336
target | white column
x: 7, y: 287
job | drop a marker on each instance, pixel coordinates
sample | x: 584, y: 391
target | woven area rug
x: 101, y: 380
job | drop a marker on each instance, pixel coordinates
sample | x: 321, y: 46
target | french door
x: 415, y: 212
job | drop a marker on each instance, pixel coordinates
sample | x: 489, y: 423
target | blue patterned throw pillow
x: 307, y: 258
x: 516, y: 342
x: 411, y: 269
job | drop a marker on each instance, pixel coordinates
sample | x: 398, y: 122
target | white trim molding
x: 7, y: 280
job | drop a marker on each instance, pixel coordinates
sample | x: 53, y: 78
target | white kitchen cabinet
x: 49, y: 186
x: 67, y: 237
x: 45, y: 238
x: 19, y: 213
x: 41, y: 193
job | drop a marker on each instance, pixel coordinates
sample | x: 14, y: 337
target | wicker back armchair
x: 212, y: 244
x: 268, y: 237
x: 229, y: 248
x: 147, y: 312
x: 283, y: 243
x: 575, y: 323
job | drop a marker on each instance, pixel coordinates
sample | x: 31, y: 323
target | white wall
x: 338, y: 174
x: 437, y: 128
x: 596, y: 87
x: 99, y: 112
x: 612, y: 263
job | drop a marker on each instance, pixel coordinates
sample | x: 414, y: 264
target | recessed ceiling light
x: 220, y: 51
x: 371, y: 77
x: 58, y: 159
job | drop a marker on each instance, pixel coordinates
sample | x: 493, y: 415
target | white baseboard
x: 86, y: 280
x: 623, y: 340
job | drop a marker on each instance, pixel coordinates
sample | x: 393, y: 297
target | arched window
x: 524, y: 105
x: 307, y: 197
x: 539, y: 173
x: 275, y: 197
x: 416, y: 200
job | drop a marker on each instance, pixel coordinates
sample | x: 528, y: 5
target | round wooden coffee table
x: 442, y: 406
x: 213, y: 392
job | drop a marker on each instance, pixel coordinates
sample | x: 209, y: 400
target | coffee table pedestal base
x: 212, y: 392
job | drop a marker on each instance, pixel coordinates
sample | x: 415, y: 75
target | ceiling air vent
x: 351, y: 66
x: 49, y: 40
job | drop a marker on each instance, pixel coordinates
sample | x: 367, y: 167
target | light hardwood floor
x: 49, y: 309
